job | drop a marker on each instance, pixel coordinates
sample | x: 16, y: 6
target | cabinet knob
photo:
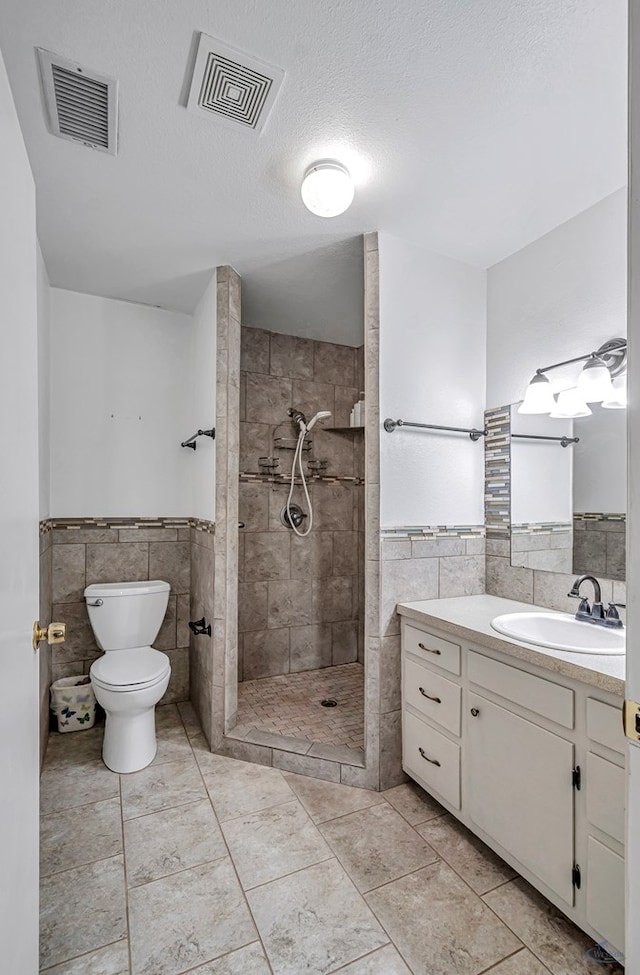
x: 475, y: 712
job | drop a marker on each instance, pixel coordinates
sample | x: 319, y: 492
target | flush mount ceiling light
x: 593, y: 385
x: 327, y: 189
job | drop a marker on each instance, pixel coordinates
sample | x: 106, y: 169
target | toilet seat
x: 133, y: 669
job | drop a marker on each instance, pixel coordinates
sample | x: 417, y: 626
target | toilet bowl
x: 130, y: 677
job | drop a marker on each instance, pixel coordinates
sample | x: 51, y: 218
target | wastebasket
x: 73, y: 703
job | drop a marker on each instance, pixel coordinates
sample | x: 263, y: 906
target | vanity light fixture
x: 327, y: 189
x: 617, y: 400
x: 593, y: 386
x: 569, y: 405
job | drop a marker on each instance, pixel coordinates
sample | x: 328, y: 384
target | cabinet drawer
x: 432, y: 695
x: 431, y: 758
x: 605, y: 892
x: 604, y: 725
x: 541, y: 696
x: 605, y: 789
x: 432, y: 649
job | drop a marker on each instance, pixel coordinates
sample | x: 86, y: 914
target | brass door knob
x: 53, y: 633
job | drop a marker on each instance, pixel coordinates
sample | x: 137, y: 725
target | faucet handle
x: 612, y: 617
x: 584, y: 609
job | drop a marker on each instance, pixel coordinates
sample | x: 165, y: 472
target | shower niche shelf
x: 344, y: 429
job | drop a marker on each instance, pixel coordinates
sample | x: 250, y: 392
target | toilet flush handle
x: 98, y: 602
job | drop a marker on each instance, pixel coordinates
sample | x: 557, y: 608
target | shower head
x: 322, y: 415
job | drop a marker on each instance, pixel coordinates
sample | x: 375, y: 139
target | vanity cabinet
x: 530, y: 761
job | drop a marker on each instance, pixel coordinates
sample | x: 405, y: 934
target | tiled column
x: 224, y: 701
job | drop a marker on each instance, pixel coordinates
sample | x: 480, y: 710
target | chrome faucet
x: 595, y: 613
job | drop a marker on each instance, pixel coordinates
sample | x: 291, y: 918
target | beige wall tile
x: 68, y: 573
x: 334, y: 364
x: 125, y: 562
x: 291, y: 356
x: 254, y: 350
x: 268, y: 399
x: 171, y: 561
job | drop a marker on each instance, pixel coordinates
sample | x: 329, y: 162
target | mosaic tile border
x: 419, y: 532
x: 76, y: 524
x: 497, y: 472
x: 286, y: 479
x: 541, y: 528
x: 599, y: 516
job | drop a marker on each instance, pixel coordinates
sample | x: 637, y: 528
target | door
x: 632, y: 692
x: 19, y: 753
x: 520, y: 791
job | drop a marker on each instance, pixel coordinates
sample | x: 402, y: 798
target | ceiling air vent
x: 82, y: 105
x: 232, y: 86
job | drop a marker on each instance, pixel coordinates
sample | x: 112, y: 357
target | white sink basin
x: 560, y: 631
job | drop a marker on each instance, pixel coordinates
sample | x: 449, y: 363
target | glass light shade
x: 618, y: 399
x: 570, y: 405
x: 327, y: 189
x: 538, y: 397
x: 594, y: 382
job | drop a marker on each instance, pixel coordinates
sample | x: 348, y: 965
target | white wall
x: 44, y: 355
x: 432, y: 370
x: 203, y: 380
x: 562, y: 296
x: 122, y: 400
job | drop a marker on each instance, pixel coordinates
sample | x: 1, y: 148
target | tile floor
x: 212, y: 866
x: 290, y: 705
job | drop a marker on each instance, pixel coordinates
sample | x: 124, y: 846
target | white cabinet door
x: 605, y: 892
x: 519, y: 790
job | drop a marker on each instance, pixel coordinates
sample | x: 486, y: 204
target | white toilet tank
x: 124, y: 615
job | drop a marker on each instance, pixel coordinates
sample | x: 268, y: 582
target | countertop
x: 470, y: 617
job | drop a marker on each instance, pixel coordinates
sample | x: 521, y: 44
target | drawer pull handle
x: 428, y: 696
x: 475, y: 712
x: 429, y: 650
x: 434, y: 761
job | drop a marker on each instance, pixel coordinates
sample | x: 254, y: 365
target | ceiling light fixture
x: 327, y: 189
x: 593, y: 386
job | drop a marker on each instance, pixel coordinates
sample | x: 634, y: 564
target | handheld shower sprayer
x: 304, y: 428
x: 322, y: 415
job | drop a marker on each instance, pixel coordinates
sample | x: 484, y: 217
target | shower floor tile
x: 290, y: 705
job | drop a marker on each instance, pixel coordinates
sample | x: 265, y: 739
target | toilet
x: 130, y: 677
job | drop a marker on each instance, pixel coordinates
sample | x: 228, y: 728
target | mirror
x: 568, y: 503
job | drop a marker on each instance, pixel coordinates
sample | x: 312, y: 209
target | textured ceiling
x: 471, y: 127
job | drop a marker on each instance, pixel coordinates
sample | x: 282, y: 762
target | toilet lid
x: 124, y: 667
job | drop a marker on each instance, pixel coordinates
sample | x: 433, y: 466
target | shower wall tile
x: 268, y: 398
x: 312, y: 397
x: 344, y: 401
x: 254, y: 351
x: 313, y: 557
x: 252, y: 605
x: 290, y: 603
x: 334, y: 364
x: 253, y: 506
x: 311, y: 647
x: 314, y: 586
x: 266, y: 653
x: 266, y: 556
x: 291, y: 356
